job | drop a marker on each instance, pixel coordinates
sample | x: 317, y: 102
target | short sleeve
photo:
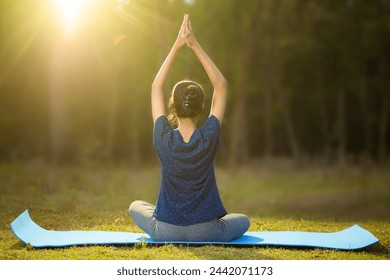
x: 211, y: 128
x: 160, y: 130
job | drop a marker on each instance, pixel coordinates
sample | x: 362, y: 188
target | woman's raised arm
x: 157, y: 95
x: 217, y: 79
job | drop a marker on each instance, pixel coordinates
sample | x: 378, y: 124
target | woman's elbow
x: 222, y: 85
x: 154, y: 87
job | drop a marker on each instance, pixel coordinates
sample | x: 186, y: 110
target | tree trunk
x: 341, y: 133
x: 275, y: 84
x: 383, y: 128
x: 366, y: 117
x: 115, y: 90
x: 239, y: 133
x: 112, y: 120
x: 292, y: 139
x: 58, y: 120
x: 268, y: 71
x: 327, y: 151
x: 384, y: 96
x: 134, y: 133
x: 364, y: 97
x: 269, y: 137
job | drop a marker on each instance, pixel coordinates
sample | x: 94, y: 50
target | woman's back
x: 188, y: 191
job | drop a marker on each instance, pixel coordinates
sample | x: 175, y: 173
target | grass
x: 276, y: 196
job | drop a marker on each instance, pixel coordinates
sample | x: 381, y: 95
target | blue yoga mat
x: 29, y: 232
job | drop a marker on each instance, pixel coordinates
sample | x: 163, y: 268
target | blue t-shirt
x: 188, y: 191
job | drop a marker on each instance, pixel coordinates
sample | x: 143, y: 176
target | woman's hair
x: 186, y: 101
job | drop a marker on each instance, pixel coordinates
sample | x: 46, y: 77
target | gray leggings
x: 226, y: 228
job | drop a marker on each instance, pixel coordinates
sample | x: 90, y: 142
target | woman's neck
x: 186, y: 128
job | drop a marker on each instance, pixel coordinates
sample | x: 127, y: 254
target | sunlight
x: 71, y: 10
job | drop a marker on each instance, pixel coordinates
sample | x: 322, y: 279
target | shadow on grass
x: 376, y: 249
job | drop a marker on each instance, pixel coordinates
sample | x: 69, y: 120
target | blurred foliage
x: 83, y: 94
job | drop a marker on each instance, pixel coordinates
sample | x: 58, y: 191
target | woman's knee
x: 234, y: 225
x: 141, y: 207
x: 134, y: 206
x: 142, y: 214
x: 246, y: 223
x: 242, y: 222
x: 240, y: 219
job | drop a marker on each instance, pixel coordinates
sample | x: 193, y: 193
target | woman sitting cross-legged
x: 188, y: 207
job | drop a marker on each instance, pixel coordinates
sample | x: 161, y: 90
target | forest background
x: 308, y: 80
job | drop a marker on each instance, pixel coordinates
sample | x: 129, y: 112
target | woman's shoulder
x: 162, y: 122
x: 161, y: 119
x: 211, y: 126
x: 161, y: 129
x: 211, y: 122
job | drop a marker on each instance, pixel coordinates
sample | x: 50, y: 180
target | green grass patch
x: 279, y: 197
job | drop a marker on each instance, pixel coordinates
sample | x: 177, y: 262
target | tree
x: 239, y: 131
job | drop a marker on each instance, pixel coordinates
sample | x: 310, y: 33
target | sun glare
x: 70, y: 10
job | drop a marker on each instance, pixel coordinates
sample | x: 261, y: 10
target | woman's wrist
x: 195, y: 46
x: 175, y: 48
x: 177, y: 45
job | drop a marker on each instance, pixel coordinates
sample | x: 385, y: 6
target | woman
x: 188, y: 207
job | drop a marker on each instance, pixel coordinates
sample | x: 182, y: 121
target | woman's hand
x: 190, y: 36
x: 183, y: 33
